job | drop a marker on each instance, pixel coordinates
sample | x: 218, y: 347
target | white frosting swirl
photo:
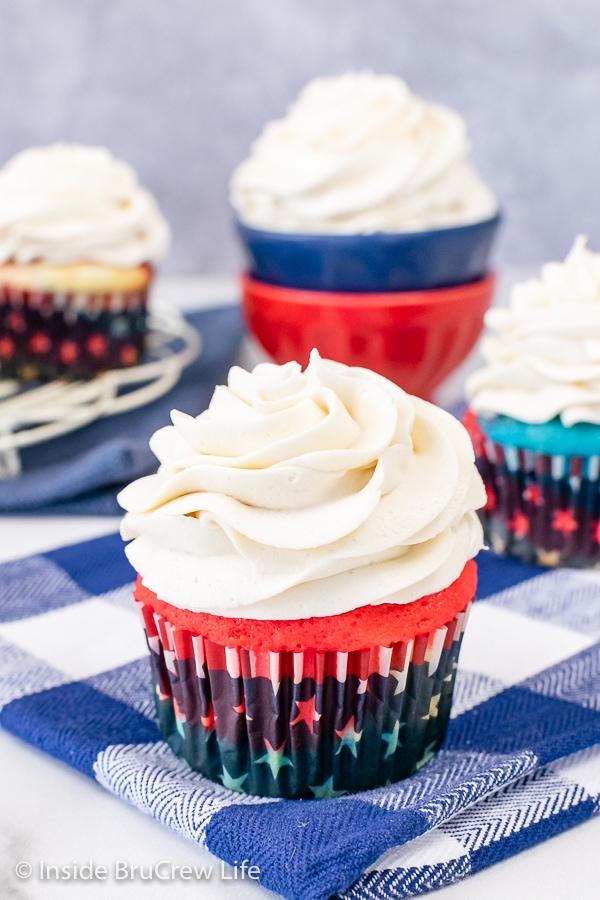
x: 356, y: 154
x: 66, y: 204
x: 545, y: 360
x: 302, y: 494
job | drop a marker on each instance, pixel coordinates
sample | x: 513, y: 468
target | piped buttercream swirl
x: 360, y: 153
x: 544, y: 359
x: 66, y: 204
x: 305, y: 493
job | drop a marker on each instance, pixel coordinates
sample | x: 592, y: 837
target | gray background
x: 179, y: 88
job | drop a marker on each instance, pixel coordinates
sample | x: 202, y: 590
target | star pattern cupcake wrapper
x: 309, y: 724
x: 45, y: 335
x: 541, y: 508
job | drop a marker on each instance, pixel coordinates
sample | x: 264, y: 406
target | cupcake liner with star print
x: 312, y: 722
x: 541, y: 508
x: 47, y: 334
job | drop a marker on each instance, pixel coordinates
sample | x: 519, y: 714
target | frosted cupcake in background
x: 305, y: 558
x: 360, y: 155
x: 535, y: 416
x: 78, y: 240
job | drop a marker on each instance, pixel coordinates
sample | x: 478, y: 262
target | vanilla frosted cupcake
x: 78, y: 239
x: 305, y: 568
x: 535, y: 415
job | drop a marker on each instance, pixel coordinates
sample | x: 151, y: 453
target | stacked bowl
x: 408, y: 305
x: 367, y: 231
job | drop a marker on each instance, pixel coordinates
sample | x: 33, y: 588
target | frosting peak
x: 359, y: 153
x: 300, y: 494
x: 67, y: 203
x: 544, y: 361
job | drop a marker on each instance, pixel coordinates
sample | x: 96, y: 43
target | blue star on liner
x: 275, y: 758
x: 391, y: 739
x: 349, y: 737
x: 325, y: 790
x: 231, y: 783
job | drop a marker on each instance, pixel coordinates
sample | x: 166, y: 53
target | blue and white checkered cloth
x: 520, y: 763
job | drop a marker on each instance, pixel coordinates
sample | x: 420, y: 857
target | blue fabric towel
x: 520, y: 763
x: 81, y: 472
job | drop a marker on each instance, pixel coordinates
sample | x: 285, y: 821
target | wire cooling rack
x: 30, y: 415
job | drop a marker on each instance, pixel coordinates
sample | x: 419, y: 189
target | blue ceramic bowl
x: 370, y: 263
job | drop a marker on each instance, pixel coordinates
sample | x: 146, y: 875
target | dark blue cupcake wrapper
x: 542, y: 509
x: 303, y: 725
x: 45, y: 335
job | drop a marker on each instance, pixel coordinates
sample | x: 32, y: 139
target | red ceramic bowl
x: 414, y: 338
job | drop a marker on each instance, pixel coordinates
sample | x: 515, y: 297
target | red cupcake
x: 304, y: 556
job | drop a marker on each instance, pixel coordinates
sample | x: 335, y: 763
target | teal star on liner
x: 430, y: 752
x: 348, y: 737
x: 391, y: 739
x: 275, y: 758
x: 325, y: 790
x: 231, y: 783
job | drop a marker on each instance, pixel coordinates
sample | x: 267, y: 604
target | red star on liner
x: 40, y: 342
x: 307, y: 713
x: 7, y: 347
x: 15, y: 322
x: 533, y: 494
x: 128, y: 354
x: 68, y: 351
x: 209, y: 720
x: 96, y: 345
x: 241, y: 708
x: 519, y: 524
x: 564, y: 522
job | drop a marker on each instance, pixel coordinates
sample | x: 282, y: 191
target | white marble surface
x: 53, y: 815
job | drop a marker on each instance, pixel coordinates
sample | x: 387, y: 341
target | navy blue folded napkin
x: 82, y: 472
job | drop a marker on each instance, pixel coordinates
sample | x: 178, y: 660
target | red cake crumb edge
x: 359, y: 629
